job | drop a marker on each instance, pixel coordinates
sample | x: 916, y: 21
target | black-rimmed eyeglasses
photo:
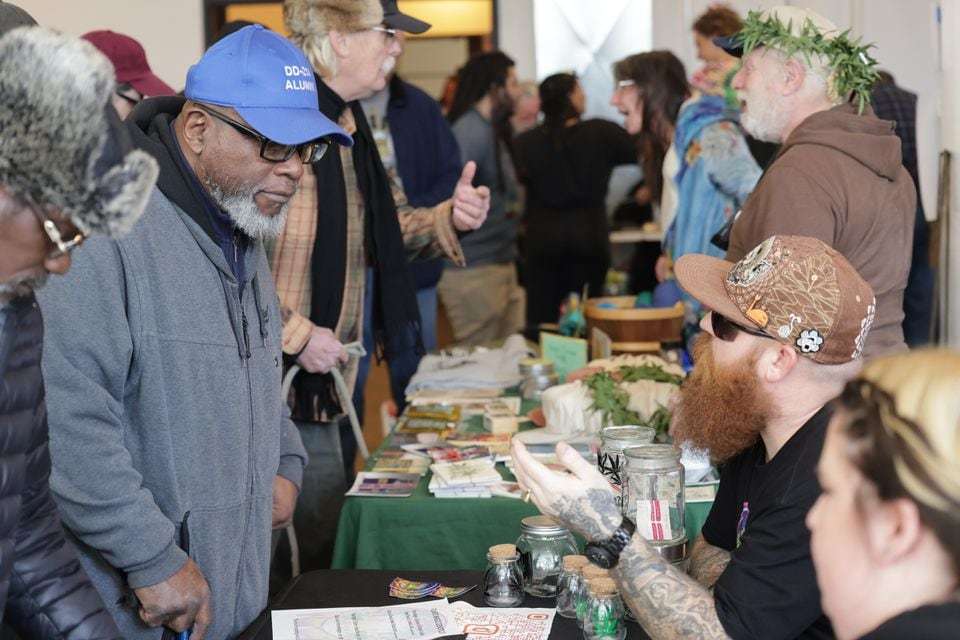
x: 274, y: 151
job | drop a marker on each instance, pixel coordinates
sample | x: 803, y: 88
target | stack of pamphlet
x: 464, y: 479
x: 399, y: 461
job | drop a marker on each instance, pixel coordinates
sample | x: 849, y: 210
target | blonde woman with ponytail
x: 885, y: 533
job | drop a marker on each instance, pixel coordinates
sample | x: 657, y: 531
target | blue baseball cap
x: 268, y: 81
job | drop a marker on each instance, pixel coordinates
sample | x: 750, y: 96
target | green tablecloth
x: 426, y: 533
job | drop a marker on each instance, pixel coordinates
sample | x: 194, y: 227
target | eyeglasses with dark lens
x: 274, y: 151
x: 727, y: 330
x: 61, y: 247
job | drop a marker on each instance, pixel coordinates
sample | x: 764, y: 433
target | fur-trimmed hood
x: 309, y: 17
x: 62, y: 144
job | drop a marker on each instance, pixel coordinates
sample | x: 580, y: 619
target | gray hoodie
x: 158, y: 406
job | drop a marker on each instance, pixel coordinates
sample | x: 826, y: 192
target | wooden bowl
x: 624, y: 323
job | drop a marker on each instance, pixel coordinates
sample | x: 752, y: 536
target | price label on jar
x: 653, y: 519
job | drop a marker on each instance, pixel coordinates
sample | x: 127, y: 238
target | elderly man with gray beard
x: 839, y: 175
x: 173, y: 454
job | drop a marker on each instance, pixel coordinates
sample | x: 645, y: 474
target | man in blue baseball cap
x: 173, y: 455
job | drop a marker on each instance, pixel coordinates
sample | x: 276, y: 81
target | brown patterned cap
x: 797, y: 290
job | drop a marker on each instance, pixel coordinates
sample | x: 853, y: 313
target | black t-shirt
x: 570, y: 168
x: 932, y: 622
x: 769, y: 589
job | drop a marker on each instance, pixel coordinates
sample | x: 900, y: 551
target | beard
x: 765, y: 118
x: 23, y: 285
x: 240, y: 205
x: 388, y: 66
x: 720, y: 410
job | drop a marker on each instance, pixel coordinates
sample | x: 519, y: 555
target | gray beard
x: 243, y: 210
x: 764, y: 121
x: 21, y: 286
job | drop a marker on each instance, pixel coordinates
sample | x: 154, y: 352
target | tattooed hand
x: 581, y: 500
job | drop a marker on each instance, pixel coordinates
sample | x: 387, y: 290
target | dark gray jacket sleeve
x: 50, y: 596
x: 88, y: 359
x: 293, y: 455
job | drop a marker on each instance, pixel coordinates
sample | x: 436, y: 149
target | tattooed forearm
x: 595, y: 516
x: 667, y: 603
x: 707, y: 562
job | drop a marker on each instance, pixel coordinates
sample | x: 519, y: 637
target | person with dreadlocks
x: 565, y: 164
x: 484, y: 301
x: 839, y: 175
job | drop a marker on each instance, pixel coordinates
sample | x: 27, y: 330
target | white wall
x: 951, y: 142
x: 515, y: 31
x: 171, y: 31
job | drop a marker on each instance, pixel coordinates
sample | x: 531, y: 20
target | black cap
x: 12, y: 16
x: 733, y: 45
x: 401, y: 21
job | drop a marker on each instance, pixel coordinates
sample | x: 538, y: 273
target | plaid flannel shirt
x: 428, y: 232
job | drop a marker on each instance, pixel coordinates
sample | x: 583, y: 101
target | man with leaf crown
x: 839, y: 176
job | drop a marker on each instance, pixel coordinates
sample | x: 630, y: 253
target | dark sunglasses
x: 727, y: 330
x: 274, y: 151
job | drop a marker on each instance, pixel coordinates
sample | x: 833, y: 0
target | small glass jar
x: 654, y: 498
x: 604, y: 619
x: 542, y: 545
x: 568, y: 584
x: 503, y: 580
x: 610, y: 461
x: 582, y: 597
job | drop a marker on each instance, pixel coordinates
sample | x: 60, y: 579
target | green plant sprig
x: 652, y: 372
x: 854, y: 69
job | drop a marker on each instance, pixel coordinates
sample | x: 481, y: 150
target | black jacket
x: 46, y: 592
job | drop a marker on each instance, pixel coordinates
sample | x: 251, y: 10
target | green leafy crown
x: 853, y: 68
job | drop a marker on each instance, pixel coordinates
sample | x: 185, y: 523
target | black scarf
x: 396, y: 318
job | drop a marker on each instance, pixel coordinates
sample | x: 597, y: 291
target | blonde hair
x: 925, y: 387
x: 904, y: 435
x: 311, y: 21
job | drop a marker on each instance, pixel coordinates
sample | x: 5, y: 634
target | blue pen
x: 185, y: 545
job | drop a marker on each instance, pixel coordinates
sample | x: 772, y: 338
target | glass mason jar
x: 568, y: 584
x: 542, y: 545
x: 604, y: 619
x: 503, y: 580
x: 613, y: 441
x: 654, y: 498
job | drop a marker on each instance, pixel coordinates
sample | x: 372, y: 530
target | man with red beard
x: 785, y: 331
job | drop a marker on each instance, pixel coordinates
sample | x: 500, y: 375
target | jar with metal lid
x: 535, y: 367
x: 610, y: 461
x: 542, y: 545
x: 568, y: 584
x: 538, y: 376
x: 503, y: 580
x: 604, y: 619
x: 654, y: 498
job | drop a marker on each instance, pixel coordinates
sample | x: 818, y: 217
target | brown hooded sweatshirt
x: 839, y: 177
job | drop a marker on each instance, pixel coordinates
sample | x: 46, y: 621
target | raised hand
x: 581, y: 500
x: 470, y: 204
